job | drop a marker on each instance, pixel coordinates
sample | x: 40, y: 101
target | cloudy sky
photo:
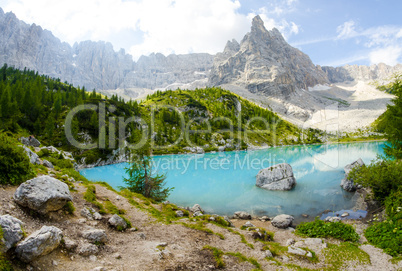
x: 331, y: 32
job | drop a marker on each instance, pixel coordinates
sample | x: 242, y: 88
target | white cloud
x: 390, y: 55
x: 187, y: 26
x: 384, y: 42
x: 166, y: 26
x: 346, y: 30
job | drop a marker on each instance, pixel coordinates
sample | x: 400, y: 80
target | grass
x: 243, y: 239
x: 337, y: 255
x: 201, y: 227
x: 69, y: 208
x: 275, y: 248
x: 217, y: 253
x: 90, y: 196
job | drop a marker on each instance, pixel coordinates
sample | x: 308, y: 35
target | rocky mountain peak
x: 257, y: 24
x: 231, y: 46
x: 265, y: 63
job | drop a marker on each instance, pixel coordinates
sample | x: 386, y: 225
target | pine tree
x: 391, y: 123
x: 141, y: 178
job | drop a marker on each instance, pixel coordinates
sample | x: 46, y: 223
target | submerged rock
x: 278, y: 177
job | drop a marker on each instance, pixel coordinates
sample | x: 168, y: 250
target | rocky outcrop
x: 30, y: 141
x: 43, y: 194
x: 282, y: 221
x: 33, y: 157
x: 278, y: 177
x: 12, y: 231
x: 39, y: 243
x: 348, y: 184
x: 47, y: 164
x: 265, y: 63
x: 170, y: 72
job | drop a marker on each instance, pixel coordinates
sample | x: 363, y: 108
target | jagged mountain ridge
x: 263, y: 63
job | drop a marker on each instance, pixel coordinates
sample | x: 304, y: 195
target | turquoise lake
x: 223, y: 183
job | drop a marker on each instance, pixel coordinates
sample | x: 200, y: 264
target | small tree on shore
x: 141, y: 178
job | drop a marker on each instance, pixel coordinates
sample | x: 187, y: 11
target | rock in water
x: 278, y: 177
x: 12, y: 231
x: 43, y: 194
x: 39, y: 243
x: 346, y: 183
x: 282, y: 221
x: 348, y: 168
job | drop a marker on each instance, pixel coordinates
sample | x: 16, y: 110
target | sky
x: 331, y: 32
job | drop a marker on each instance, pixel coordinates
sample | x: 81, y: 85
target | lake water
x: 223, y: 183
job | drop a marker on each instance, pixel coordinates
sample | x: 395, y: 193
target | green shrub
x: 382, y: 177
x: 321, y: 229
x: 15, y: 167
x: 386, y: 235
x: 393, y: 205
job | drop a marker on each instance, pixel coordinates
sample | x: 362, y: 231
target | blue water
x: 223, y: 183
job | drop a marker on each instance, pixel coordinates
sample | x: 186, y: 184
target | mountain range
x: 263, y: 67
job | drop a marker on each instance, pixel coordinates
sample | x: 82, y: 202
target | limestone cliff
x: 360, y: 72
x: 265, y: 63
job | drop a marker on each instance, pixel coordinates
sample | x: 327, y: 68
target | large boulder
x: 348, y: 168
x: 43, y: 194
x: 278, y: 177
x: 12, y: 231
x: 33, y: 157
x: 39, y: 243
x: 282, y: 221
x: 347, y: 184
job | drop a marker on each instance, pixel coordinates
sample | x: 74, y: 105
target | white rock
x: 278, y: 177
x: 12, y: 231
x: 43, y: 194
x: 39, y: 243
x: 282, y: 221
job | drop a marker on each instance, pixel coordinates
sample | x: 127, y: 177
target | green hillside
x: 175, y: 121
